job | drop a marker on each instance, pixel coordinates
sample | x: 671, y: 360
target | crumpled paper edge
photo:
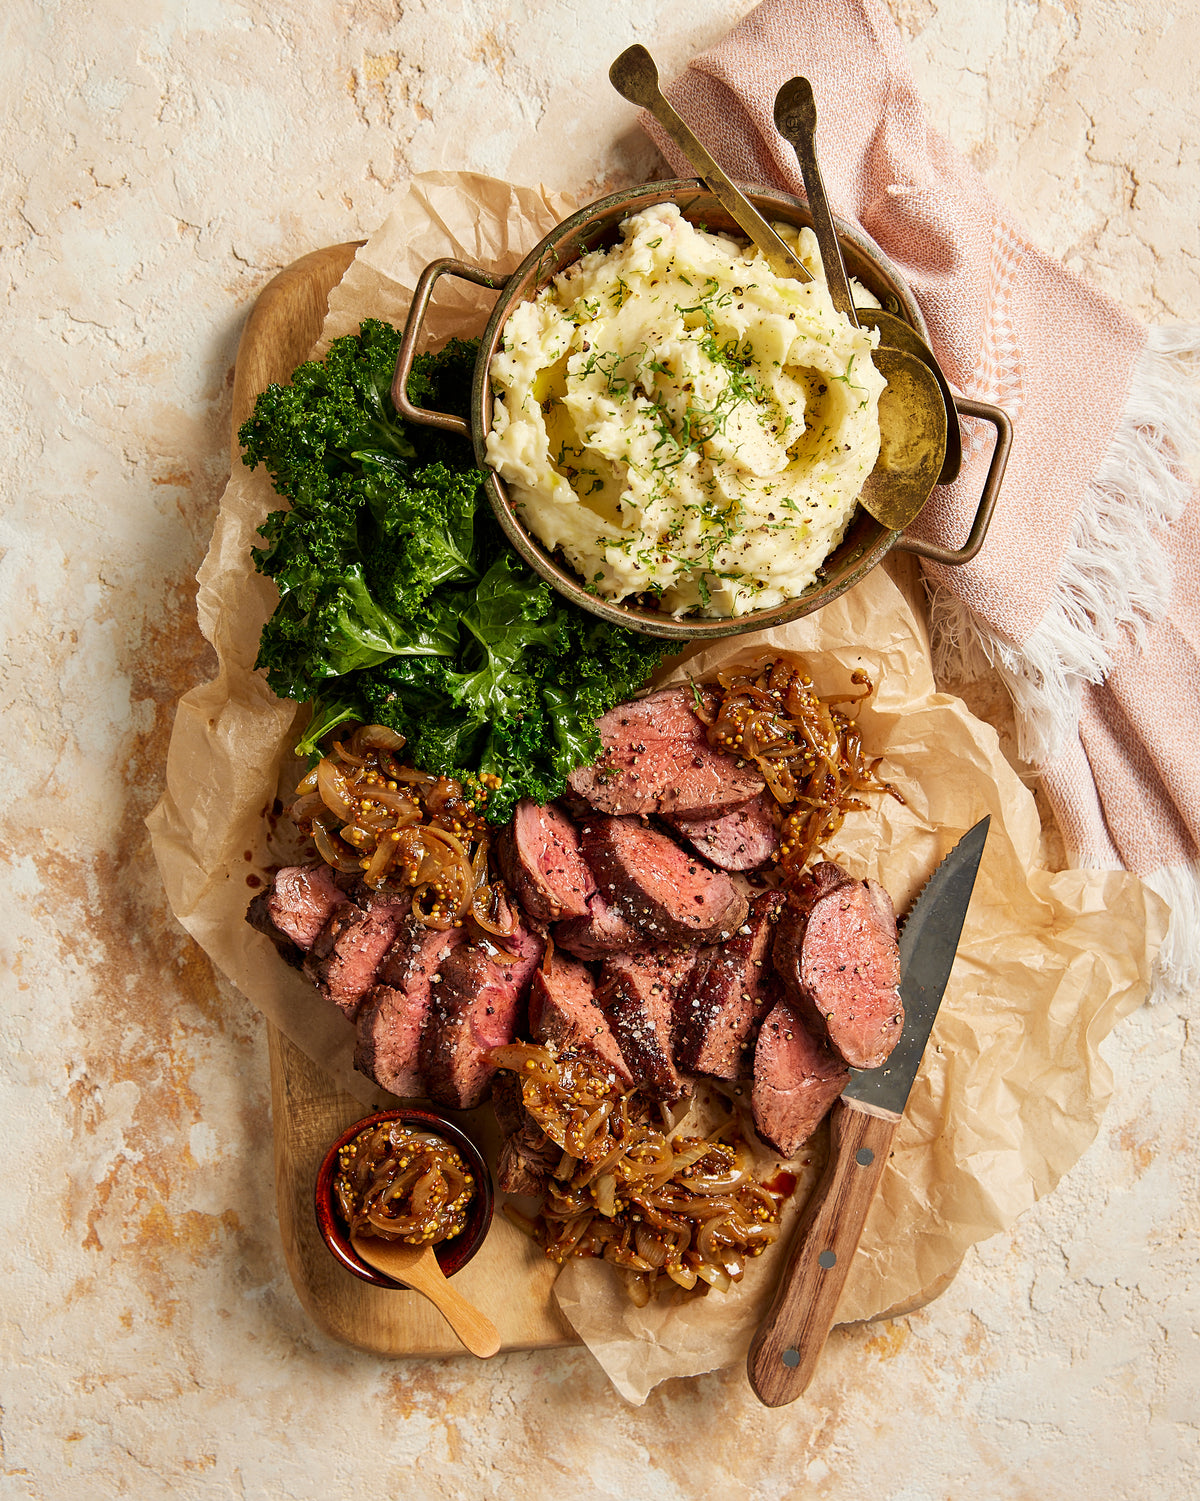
x: 1013, y: 1085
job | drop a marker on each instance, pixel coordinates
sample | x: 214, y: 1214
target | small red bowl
x: 452, y: 1254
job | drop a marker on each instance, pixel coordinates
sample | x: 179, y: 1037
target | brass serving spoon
x: 417, y: 1267
x: 635, y: 78
x: 912, y: 419
x: 796, y: 121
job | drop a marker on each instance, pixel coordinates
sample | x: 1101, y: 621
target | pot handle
x: 991, y: 489
x: 412, y: 332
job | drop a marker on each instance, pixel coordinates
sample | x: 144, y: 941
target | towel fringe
x: 1115, y: 576
x: 1177, y: 970
x: 1115, y: 580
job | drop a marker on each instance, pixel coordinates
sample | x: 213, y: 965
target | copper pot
x: 866, y: 542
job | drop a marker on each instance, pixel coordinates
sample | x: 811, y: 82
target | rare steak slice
x: 477, y: 1005
x: 393, y: 1013
x: 540, y: 859
x: 719, y: 1011
x: 836, y: 950
x: 637, y: 994
x: 563, y: 1011
x: 291, y: 913
x: 602, y: 932
x: 657, y: 759
x: 347, y: 952
x: 671, y: 896
x: 742, y: 839
x: 796, y: 1080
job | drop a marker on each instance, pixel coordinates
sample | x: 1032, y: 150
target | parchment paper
x: 1012, y: 1087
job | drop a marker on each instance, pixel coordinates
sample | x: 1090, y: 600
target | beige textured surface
x: 160, y: 162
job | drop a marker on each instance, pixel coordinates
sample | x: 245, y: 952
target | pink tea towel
x: 1086, y: 594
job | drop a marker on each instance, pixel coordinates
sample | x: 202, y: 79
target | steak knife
x: 787, y: 1346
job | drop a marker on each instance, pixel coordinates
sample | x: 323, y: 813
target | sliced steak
x: 388, y: 1044
x: 527, y: 1156
x: 477, y: 1005
x: 392, y: 1015
x: 671, y: 896
x: 347, y: 952
x: 508, y: 1103
x: 414, y: 957
x: 525, y: 1162
x: 258, y: 915
x: 657, y: 759
x: 796, y: 1080
x: 637, y: 994
x: 602, y: 932
x: 719, y: 1011
x: 742, y: 839
x: 540, y: 859
x: 300, y: 901
x: 836, y: 950
x: 563, y: 1010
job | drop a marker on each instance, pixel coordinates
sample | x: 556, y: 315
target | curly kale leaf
x: 400, y: 601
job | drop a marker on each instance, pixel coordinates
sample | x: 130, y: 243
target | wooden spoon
x: 417, y: 1267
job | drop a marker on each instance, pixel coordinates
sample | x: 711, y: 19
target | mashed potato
x: 684, y: 423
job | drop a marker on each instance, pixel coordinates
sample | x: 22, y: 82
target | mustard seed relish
x: 396, y: 1182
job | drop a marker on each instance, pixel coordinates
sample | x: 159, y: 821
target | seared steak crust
x: 526, y: 1161
x: 637, y: 993
x: 527, y: 1156
x: 836, y: 950
x: 672, y: 897
x: 719, y: 1010
x: 656, y: 759
x: 393, y: 1014
x: 540, y: 859
x: 347, y: 952
x: 258, y: 915
x: 478, y: 1004
x: 796, y: 1080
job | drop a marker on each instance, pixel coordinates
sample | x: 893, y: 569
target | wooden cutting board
x: 509, y: 1279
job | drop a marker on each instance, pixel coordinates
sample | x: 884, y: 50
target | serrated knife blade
x: 787, y: 1345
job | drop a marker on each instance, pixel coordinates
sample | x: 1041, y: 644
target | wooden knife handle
x: 785, y: 1350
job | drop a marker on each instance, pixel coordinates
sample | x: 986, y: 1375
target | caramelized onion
x: 398, y: 1183
x: 808, y: 751
x: 667, y: 1212
x: 401, y: 828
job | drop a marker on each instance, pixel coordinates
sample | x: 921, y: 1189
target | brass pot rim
x: 866, y: 541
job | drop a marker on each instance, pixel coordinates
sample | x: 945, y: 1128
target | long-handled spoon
x: 417, y: 1267
x: 912, y: 419
x: 635, y: 78
x: 796, y: 121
